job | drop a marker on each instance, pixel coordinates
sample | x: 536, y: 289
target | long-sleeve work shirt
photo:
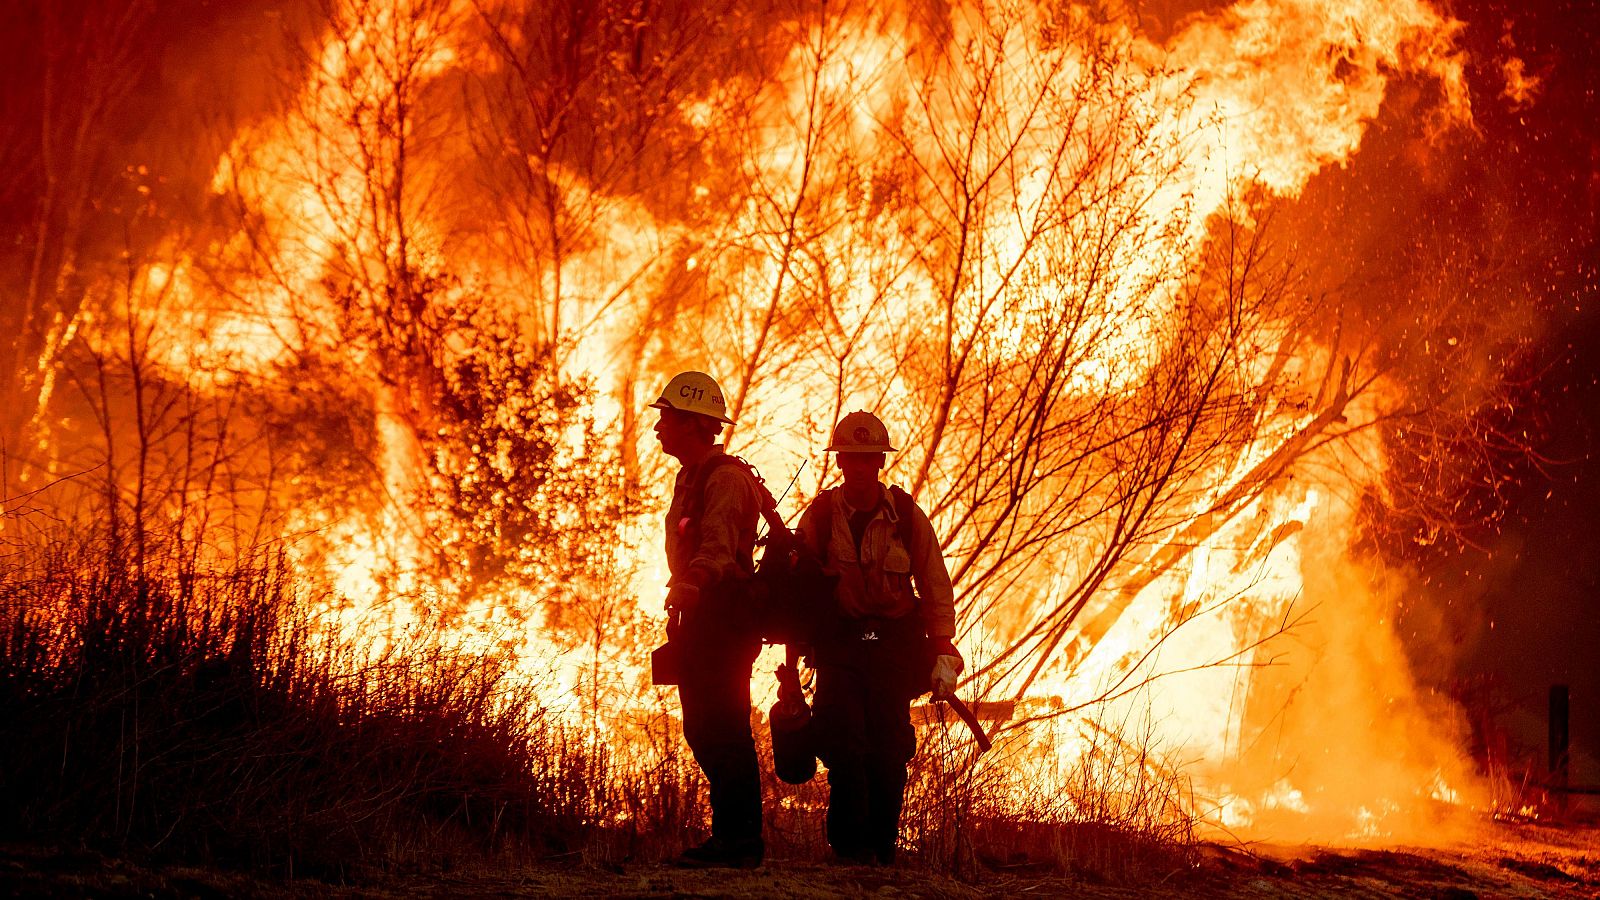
x: 877, y: 574
x: 726, y: 526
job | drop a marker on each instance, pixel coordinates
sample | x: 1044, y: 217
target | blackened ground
x: 1505, y: 860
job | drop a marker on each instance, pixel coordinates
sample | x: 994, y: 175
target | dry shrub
x: 1515, y: 773
x: 639, y: 793
x: 1109, y: 810
x: 208, y: 716
x: 203, y: 715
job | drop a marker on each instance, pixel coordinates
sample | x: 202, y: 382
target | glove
x: 945, y: 671
x: 683, y: 597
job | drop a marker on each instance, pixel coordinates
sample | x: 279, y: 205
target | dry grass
x: 205, y: 716
x: 1113, y: 812
x: 202, y: 715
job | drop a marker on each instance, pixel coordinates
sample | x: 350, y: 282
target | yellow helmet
x: 860, y: 432
x: 694, y: 392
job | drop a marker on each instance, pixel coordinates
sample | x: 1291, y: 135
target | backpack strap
x: 697, y: 500
x: 904, y: 509
x: 903, y: 506
x: 824, y: 507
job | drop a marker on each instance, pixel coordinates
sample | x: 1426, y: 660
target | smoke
x: 1370, y: 752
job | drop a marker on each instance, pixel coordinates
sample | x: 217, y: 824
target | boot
x: 717, y: 853
x: 854, y: 857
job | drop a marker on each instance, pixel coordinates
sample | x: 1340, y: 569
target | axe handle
x: 972, y: 722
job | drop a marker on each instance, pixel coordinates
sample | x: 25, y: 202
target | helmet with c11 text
x: 860, y: 432
x: 694, y: 392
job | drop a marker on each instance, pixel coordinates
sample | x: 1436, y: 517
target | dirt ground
x: 1511, y: 861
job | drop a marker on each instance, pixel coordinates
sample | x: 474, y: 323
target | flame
x: 1317, y: 731
x: 1521, y: 87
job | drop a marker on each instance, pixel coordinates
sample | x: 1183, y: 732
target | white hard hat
x: 694, y: 392
x: 860, y: 432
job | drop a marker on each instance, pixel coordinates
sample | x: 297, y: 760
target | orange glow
x: 895, y: 197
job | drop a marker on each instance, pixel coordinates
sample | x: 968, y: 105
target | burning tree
x: 62, y: 190
x: 489, y: 463
x: 1018, y: 234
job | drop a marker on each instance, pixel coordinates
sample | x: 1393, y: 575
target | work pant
x: 864, y: 734
x: 715, y: 693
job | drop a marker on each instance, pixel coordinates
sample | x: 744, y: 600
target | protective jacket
x: 876, y: 576
x: 718, y: 543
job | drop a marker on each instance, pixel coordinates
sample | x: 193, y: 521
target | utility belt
x: 877, y: 628
x: 891, y: 651
x: 872, y: 628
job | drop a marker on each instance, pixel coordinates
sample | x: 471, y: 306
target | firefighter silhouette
x: 888, y: 639
x: 711, y: 534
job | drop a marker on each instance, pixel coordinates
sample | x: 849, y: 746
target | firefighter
x: 887, y: 640
x: 711, y: 534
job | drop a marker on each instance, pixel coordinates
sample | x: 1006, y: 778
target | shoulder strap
x: 697, y: 489
x: 697, y: 496
x: 824, y: 507
x: 903, y: 507
x: 768, y: 505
